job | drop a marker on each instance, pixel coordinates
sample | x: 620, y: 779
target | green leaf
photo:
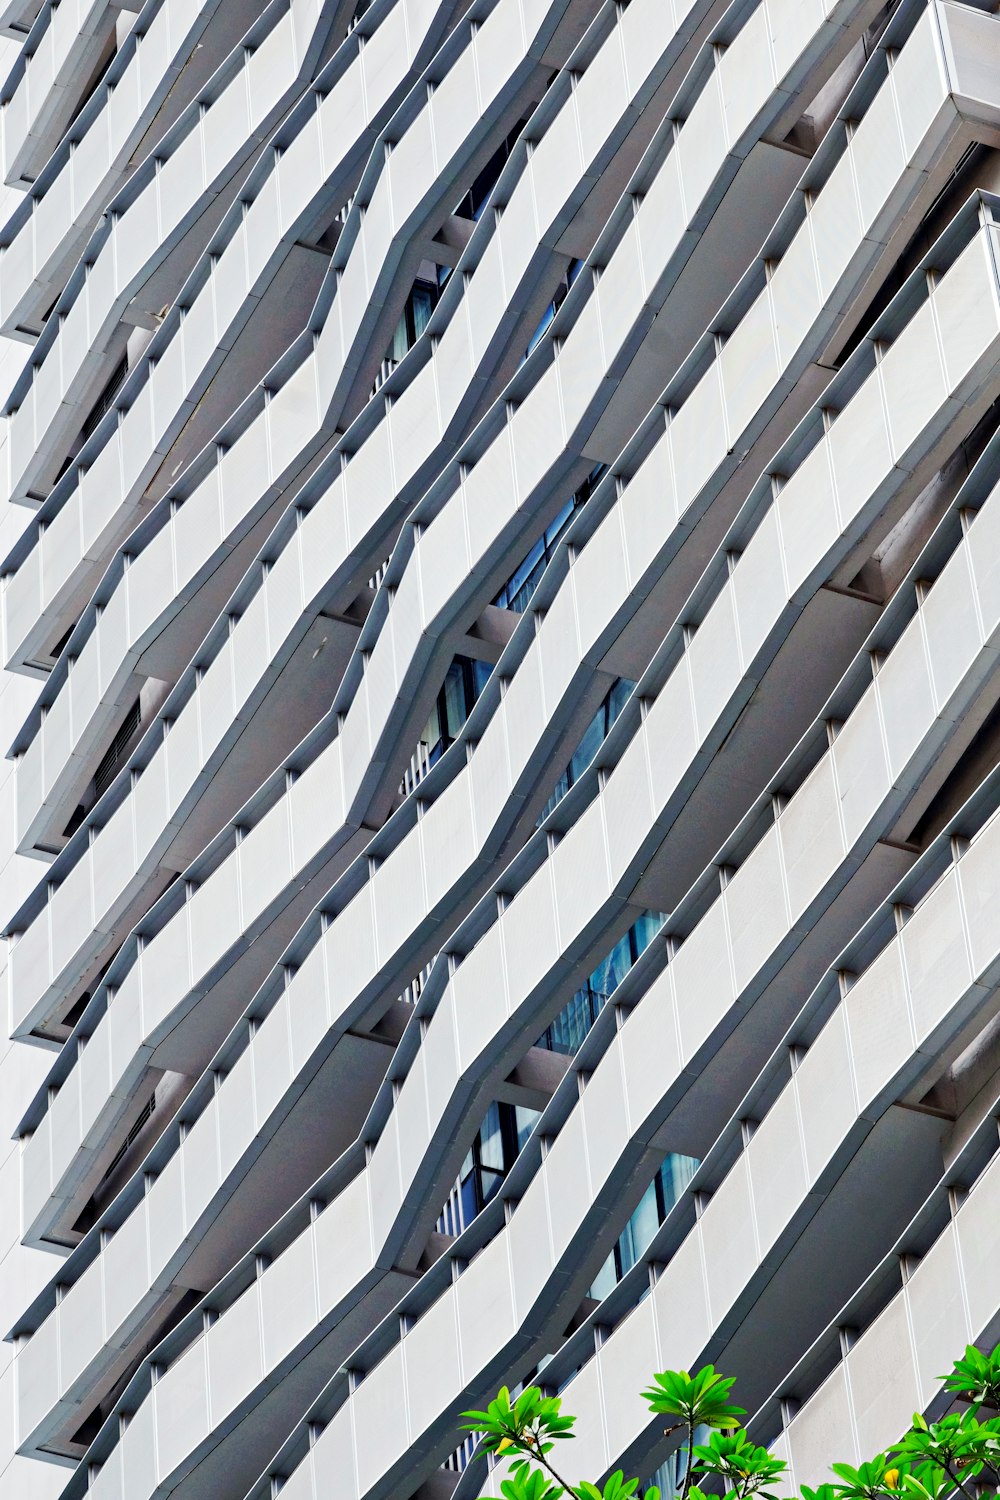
x: 976, y: 1377
x: 700, y: 1399
x: 617, y: 1487
x: 738, y: 1461
x: 959, y: 1441
x: 530, y: 1485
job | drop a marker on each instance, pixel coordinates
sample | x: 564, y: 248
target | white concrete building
x: 501, y: 628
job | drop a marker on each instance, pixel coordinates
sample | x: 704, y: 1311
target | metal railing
x: 420, y: 764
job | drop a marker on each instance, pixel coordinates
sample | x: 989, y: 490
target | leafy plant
x: 744, y: 1468
x: 959, y: 1445
x: 945, y: 1460
x: 876, y: 1477
x: 529, y: 1429
x: 976, y: 1377
x: 700, y: 1400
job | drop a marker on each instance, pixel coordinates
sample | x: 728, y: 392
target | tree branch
x: 525, y: 1446
x: 690, y: 1460
x: 955, y: 1479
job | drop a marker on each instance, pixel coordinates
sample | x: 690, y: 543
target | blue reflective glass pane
x: 612, y: 970
x: 524, y: 1121
x: 422, y: 302
x: 400, y: 343
x: 526, y: 568
x: 626, y: 1249
x: 555, y: 529
x: 491, y: 1140
x: 572, y: 1024
x: 675, y: 1174
x: 470, y: 1205
x: 558, y: 793
x: 481, y: 673
x: 455, y: 707
x: 645, y: 929
x: 605, y: 1281
x: 519, y: 600
x: 593, y: 739
x: 490, y: 1185
x: 546, y: 319
x: 617, y: 698
x: 646, y: 1220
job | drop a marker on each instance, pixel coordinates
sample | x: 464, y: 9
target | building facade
x: 501, y: 825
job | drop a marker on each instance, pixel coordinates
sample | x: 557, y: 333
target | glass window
x: 571, y: 273
x: 423, y: 299
x: 606, y: 1280
x: 567, y: 1032
x: 617, y: 698
x: 399, y: 345
x: 463, y: 683
x: 491, y: 1140
x: 594, y: 736
x: 645, y: 929
x: 455, y: 705
x: 414, y: 318
x: 656, y: 1202
x: 555, y: 529
x: 612, y: 970
x: 481, y: 672
x: 536, y: 337
x: 639, y: 1230
x: 528, y: 570
x: 524, y: 1121
x: 522, y: 583
x: 470, y: 1197
x: 494, y: 1151
x: 471, y: 205
x: 675, y: 1174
